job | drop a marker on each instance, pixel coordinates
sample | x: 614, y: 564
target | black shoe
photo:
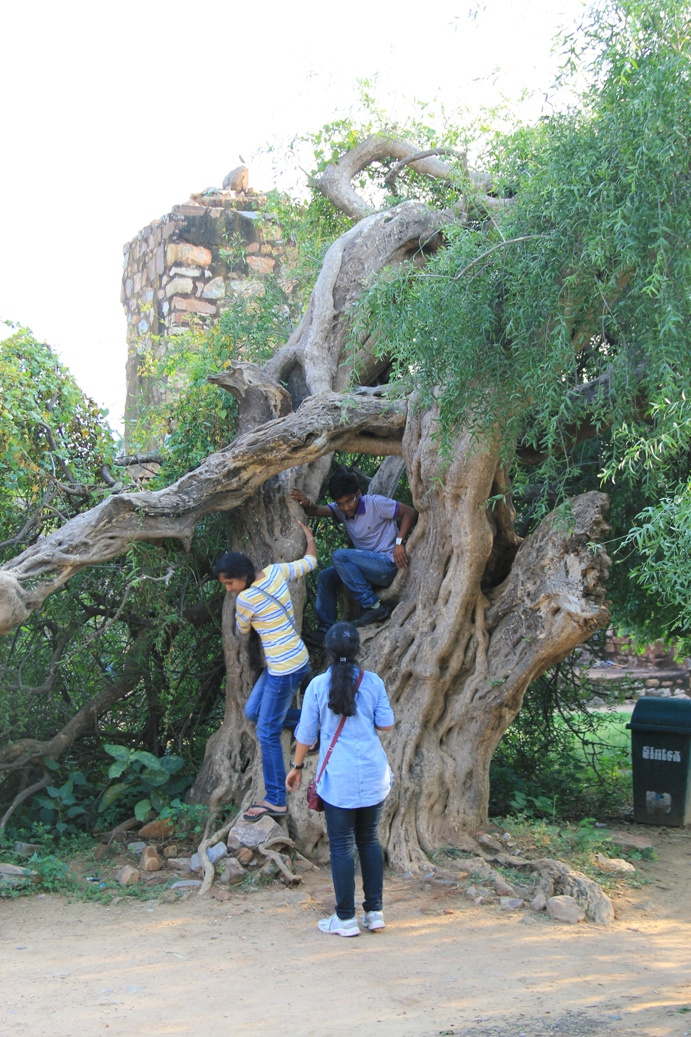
x: 374, y: 615
x: 313, y: 638
x: 314, y: 749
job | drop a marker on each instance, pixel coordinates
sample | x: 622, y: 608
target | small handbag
x: 314, y: 800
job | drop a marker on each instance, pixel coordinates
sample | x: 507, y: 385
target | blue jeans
x: 359, y: 571
x: 348, y: 829
x: 268, y: 707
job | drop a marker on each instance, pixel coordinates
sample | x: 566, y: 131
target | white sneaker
x: 373, y: 920
x: 339, y: 926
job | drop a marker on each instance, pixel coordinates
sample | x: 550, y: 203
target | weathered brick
x: 188, y: 255
x: 193, y: 306
x: 261, y: 264
x: 179, y: 285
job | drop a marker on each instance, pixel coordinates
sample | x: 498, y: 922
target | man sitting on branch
x: 378, y: 528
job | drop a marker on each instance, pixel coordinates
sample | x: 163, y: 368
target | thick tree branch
x: 335, y: 183
x: 325, y: 423
x: 391, y: 176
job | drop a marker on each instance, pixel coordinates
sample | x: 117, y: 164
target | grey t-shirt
x: 373, y: 526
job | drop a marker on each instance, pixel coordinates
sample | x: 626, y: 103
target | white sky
x: 114, y: 112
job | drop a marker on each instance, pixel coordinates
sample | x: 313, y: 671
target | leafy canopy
x: 585, y: 268
x: 578, y: 275
x: 53, y: 440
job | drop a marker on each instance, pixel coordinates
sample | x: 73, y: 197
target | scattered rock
x: 187, y: 884
x: 26, y: 849
x: 252, y: 833
x: 155, y: 878
x: 501, y: 886
x: 170, y: 851
x: 614, y: 865
x: 221, y: 895
x: 539, y: 902
x: 137, y: 847
x: 180, y: 863
x: 564, y: 908
x: 13, y: 875
x: 510, y: 903
x: 486, y: 840
x: 233, y: 872
x: 243, y: 855
x: 150, y: 861
x: 557, y: 878
x: 127, y: 876
x: 214, y: 853
x: 158, y: 829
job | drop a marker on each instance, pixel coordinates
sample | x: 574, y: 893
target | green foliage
x: 559, y: 759
x: 187, y: 819
x: 581, y: 274
x: 148, y: 622
x: 662, y: 537
x: 61, y: 807
x: 53, y: 442
x: 146, y: 776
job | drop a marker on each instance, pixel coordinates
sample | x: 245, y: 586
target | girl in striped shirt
x: 263, y: 602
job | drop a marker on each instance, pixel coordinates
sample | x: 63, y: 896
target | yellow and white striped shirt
x: 283, y: 648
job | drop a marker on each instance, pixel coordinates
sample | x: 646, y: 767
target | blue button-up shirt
x: 358, y: 773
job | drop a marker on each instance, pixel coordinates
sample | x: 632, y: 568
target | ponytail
x: 342, y: 644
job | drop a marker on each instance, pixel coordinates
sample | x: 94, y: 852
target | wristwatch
x: 399, y: 541
x: 297, y: 766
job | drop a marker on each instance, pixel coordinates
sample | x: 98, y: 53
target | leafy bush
x: 559, y: 758
x: 149, y: 782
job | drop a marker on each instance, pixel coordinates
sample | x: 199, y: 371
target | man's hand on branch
x: 301, y: 497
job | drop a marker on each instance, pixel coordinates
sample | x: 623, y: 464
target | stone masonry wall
x: 175, y: 273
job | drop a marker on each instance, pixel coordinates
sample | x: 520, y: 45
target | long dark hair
x: 342, y: 644
x: 235, y: 566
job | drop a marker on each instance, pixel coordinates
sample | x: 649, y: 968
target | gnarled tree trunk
x: 478, y: 615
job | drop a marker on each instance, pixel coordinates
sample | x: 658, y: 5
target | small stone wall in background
x: 187, y: 267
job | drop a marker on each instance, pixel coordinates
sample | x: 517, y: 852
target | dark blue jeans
x: 348, y: 829
x: 360, y: 571
x: 268, y: 706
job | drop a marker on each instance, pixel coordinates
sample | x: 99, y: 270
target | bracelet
x: 297, y: 766
x: 308, y: 503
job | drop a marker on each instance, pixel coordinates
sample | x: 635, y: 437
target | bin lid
x: 662, y: 714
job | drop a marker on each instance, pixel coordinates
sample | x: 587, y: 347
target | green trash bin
x: 661, y: 759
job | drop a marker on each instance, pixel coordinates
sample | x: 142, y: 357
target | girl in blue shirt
x: 357, y: 778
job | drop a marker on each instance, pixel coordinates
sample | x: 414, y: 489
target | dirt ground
x: 256, y: 964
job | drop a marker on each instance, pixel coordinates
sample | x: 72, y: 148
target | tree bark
x: 478, y: 613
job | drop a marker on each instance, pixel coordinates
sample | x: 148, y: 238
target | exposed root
x: 277, y: 858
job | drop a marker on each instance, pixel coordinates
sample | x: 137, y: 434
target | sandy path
x: 256, y: 964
